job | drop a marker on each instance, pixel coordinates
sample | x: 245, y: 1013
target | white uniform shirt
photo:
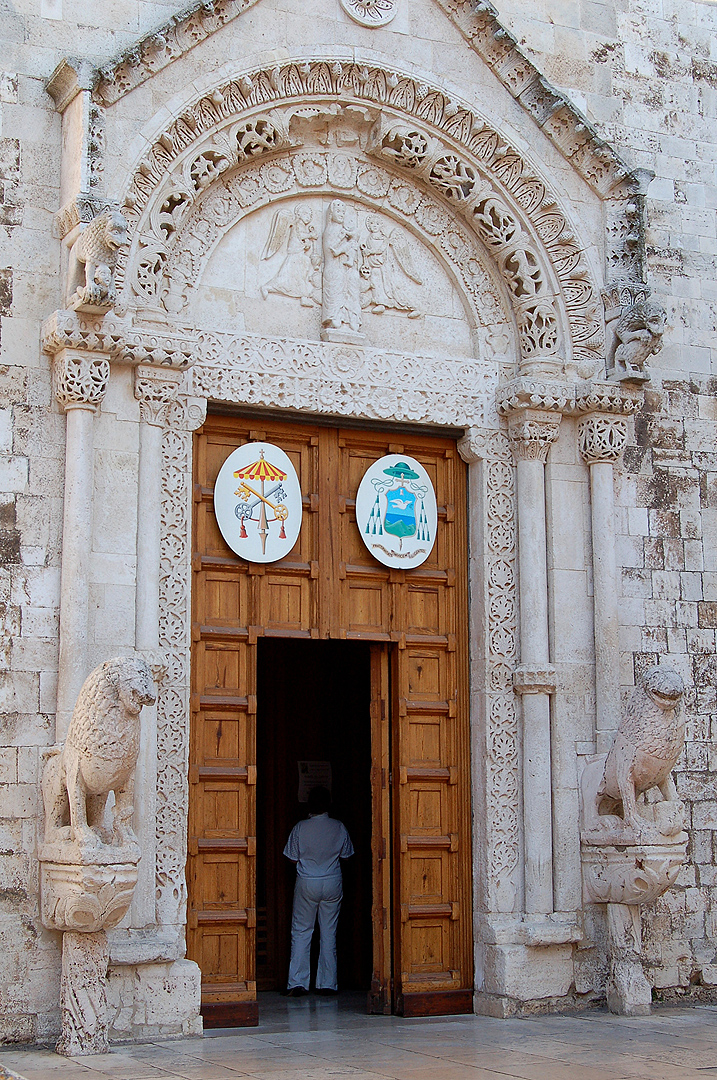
x: 317, y: 844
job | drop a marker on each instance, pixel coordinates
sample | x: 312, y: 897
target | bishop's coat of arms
x: 396, y: 511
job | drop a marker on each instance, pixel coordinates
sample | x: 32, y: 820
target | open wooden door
x: 381, y: 993
x: 330, y: 587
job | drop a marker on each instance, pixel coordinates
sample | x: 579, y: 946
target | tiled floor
x: 323, y: 1039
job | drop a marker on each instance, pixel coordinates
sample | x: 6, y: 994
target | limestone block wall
x: 646, y: 75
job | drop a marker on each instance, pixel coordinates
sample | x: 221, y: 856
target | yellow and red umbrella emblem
x: 264, y: 472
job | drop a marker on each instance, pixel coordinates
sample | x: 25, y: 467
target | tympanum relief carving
x: 362, y: 264
x: 409, y: 150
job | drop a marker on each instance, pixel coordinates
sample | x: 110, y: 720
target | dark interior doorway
x: 313, y: 705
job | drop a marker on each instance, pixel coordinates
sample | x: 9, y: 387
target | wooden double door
x: 398, y: 639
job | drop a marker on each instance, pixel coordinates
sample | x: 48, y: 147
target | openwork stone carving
x: 372, y: 13
x: 601, y: 437
x: 96, y: 249
x: 81, y: 379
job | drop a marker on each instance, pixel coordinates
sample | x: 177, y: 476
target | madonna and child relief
x: 331, y: 269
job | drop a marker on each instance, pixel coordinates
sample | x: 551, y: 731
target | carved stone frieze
x: 91, y: 333
x: 479, y: 25
x: 345, y: 379
x: 439, y: 144
x: 602, y: 437
x: 168, y: 256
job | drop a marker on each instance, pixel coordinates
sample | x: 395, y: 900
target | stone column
x: 602, y: 438
x: 81, y: 380
x: 531, y: 432
x: 155, y: 388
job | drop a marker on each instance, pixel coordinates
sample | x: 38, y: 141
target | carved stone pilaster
x: 155, y: 389
x: 602, y: 437
x: 531, y: 433
x: 80, y: 379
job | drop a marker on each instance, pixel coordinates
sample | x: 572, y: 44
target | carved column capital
x: 80, y: 379
x: 602, y: 437
x: 474, y: 445
x: 156, y: 389
x: 531, y: 431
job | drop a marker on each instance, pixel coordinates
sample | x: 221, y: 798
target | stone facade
x: 502, y: 218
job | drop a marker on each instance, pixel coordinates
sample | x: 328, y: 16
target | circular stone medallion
x: 396, y: 512
x: 370, y: 12
x: 257, y: 501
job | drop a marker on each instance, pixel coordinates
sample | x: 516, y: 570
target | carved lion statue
x: 99, y: 755
x: 647, y: 746
x: 639, y: 332
x: 96, y: 248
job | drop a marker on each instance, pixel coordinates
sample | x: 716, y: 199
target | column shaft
x: 605, y: 586
x: 534, y: 650
x: 76, y: 549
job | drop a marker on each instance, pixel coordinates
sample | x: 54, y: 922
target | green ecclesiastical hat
x: 401, y: 470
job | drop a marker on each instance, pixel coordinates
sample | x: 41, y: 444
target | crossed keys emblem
x: 251, y: 500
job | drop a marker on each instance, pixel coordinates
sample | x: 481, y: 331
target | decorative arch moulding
x: 478, y: 23
x: 449, y: 153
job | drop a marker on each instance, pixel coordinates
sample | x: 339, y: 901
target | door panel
x: 329, y: 586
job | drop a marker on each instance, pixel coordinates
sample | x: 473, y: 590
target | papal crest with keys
x: 257, y: 501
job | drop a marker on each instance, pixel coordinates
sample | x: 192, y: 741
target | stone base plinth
x: 83, y: 892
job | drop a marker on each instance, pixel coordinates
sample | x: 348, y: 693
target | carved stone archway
x: 413, y: 131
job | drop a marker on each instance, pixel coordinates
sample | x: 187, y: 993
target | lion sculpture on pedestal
x: 647, y: 745
x: 97, y: 248
x: 99, y: 755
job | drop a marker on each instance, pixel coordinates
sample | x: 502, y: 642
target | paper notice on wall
x: 313, y: 774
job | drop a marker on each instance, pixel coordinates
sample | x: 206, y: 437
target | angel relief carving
x: 360, y: 264
x: 294, y: 235
x: 386, y: 258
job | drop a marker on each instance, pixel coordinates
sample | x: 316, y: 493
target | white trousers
x: 315, y: 897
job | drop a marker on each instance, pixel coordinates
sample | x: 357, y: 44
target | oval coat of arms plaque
x: 257, y: 501
x: 396, y: 511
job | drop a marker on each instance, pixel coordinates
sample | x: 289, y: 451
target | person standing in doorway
x: 316, y: 845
